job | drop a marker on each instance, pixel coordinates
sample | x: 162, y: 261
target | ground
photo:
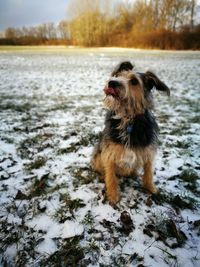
x: 53, y: 208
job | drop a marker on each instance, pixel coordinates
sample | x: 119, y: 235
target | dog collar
x: 130, y: 128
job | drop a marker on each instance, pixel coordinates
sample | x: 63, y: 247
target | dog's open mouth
x: 110, y: 91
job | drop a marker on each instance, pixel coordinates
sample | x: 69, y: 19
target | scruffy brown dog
x: 130, y: 137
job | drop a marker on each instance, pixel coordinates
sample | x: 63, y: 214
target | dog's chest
x: 137, y: 134
x: 128, y: 159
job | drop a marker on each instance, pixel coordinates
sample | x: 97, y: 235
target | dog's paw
x: 113, y: 198
x: 151, y: 188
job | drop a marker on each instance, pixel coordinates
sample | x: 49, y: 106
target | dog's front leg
x: 111, y: 181
x: 148, y: 177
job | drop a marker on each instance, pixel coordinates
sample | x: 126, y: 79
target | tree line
x: 163, y: 24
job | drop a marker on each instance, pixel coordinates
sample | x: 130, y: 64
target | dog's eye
x: 134, y: 81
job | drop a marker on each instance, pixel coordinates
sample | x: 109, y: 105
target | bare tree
x: 193, y: 4
x: 11, y: 33
x: 88, y: 26
x: 63, y: 30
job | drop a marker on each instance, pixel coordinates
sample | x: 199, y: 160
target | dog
x: 129, y: 140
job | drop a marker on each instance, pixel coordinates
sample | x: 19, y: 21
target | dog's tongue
x: 110, y: 91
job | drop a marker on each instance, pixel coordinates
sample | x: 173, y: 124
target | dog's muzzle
x: 110, y: 91
x: 112, y: 88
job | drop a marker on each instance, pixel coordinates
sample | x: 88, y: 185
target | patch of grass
x: 181, y: 130
x: 88, y: 219
x: 190, y: 179
x: 92, y: 247
x: 16, y: 107
x: 166, y: 230
x: 169, y: 258
x: 36, y: 164
x: 37, y: 143
x: 183, y: 202
x: 119, y: 261
x: 7, y: 139
x: 182, y: 144
x: 72, y: 148
x: 163, y: 118
x: 61, y: 106
x: 183, y: 147
x: 135, y: 258
x: 110, y: 226
x: 124, y: 260
x: 70, y: 254
x: 176, y: 201
x: 20, y: 195
x: 41, y: 126
x: 33, y: 117
x: 39, y: 187
x: 9, y: 235
x: 82, y: 175
x: 89, y: 139
x: 25, y: 239
x: 195, y: 119
x: 85, y: 109
x: 196, y: 226
x: 67, y: 208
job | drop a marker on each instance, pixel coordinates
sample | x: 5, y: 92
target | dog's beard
x: 112, y: 103
x: 124, y: 107
x: 119, y: 106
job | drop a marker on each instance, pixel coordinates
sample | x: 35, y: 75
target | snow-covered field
x: 53, y: 210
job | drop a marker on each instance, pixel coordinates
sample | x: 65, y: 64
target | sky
x: 18, y: 13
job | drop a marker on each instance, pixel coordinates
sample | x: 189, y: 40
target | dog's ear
x: 151, y: 80
x: 123, y: 66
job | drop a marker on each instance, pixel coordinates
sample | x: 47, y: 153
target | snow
x: 11, y: 252
x: 7, y: 148
x: 105, y: 211
x: 51, y: 108
x: 47, y: 246
x: 66, y: 230
x: 71, y: 229
x: 43, y: 222
x: 83, y: 193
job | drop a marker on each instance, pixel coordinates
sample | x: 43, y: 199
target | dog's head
x: 128, y: 93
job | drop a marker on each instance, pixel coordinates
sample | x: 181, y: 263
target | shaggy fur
x: 130, y: 137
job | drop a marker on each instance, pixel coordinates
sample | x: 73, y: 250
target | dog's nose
x: 113, y: 84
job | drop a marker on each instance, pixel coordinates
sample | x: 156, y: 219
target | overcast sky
x: 17, y: 13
